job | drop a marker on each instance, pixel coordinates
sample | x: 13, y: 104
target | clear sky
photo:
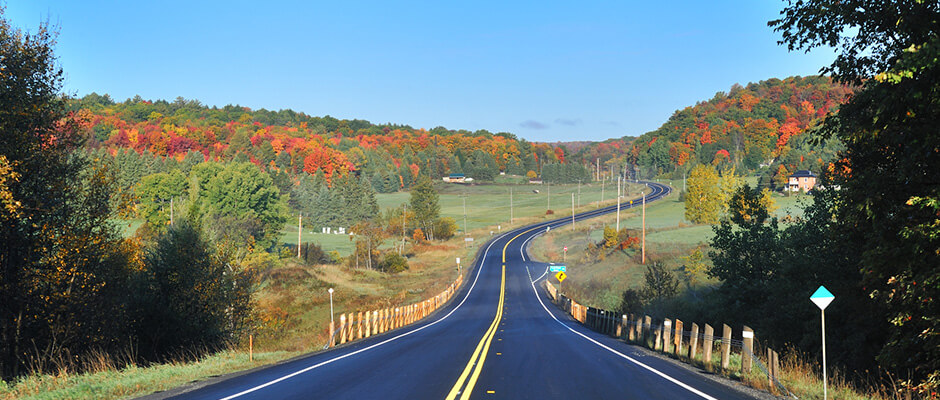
x: 544, y: 70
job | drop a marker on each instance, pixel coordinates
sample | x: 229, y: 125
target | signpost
x: 566, y: 254
x: 822, y: 298
x: 561, y: 276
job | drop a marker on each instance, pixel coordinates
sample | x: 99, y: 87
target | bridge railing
x: 693, y: 344
x: 363, y: 324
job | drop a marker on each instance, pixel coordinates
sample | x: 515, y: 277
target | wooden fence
x: 690, y: 343
x: 362, y: 324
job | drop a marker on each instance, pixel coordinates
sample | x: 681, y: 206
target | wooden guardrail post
x: 359, y: 328
x: 332, y: 334
x: 647, y: 328
x: 667, y: 334
x: 770, y: 370
x: 657, y: 343
x: 631, y: 328
x: 352, y: 326
x: 368, y: 324
x: 748, y: 350
x: 678, y: 338
x: 708, y: 344
x: 725, y: 346
x: 622, y: 326
x: 693, y: 341
x: 342, y: 328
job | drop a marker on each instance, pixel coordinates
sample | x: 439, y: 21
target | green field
x: 487, y: 207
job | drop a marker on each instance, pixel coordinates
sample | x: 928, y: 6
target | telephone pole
x: 618, y: 205
x: 300, y: 230
x: 643, y: 250
x: 510, y: 205
x: 572, y: 211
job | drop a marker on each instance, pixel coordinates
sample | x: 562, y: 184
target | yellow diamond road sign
x: 561, y: 276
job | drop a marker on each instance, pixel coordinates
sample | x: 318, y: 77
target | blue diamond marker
x: 822, y: 297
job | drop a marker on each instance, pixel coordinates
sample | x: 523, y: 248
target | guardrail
x: 359, y: 325
x: 694, y: 346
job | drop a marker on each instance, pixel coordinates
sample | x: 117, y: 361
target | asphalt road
x: 499, y: 338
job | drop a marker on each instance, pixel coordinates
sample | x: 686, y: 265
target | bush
x: 445, y: 228
x: 393, y: 263
x: 188, y: 297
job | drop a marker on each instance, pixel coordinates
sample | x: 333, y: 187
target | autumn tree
x: 704, y: 198
x: 424, y: 204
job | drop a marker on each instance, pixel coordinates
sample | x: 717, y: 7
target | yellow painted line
x: 475, y: 364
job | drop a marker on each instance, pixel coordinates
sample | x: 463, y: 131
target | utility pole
x: 602, y: 193
x: 510, y: 205
x: 300, y: 230
x: 618, y: 205
x: 572, y: 211
x: 404, y: 212
x: 465, y: 233
x: 171, y: 211
x: 643, y: 249
x: 579, y: 193
x: 597, y: 168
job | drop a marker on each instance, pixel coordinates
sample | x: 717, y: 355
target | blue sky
x: 546, y: 71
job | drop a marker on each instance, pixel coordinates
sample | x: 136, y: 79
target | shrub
x: 393, y: 263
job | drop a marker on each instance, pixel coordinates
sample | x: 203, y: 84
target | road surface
x: 499, y: 338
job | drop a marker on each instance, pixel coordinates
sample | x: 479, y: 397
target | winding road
x: 499, y: 338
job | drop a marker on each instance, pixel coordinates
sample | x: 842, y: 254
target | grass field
x: 487, y: 206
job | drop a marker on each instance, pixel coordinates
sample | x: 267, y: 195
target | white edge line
x: 628, y: 358
x: 291, y: 375
x: 605, y: 347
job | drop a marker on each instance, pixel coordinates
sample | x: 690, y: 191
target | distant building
x: 455, y: 178
x: 801, y: 180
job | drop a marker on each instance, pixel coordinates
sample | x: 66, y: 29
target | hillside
x: 390, y: 156
x: 761, y: 124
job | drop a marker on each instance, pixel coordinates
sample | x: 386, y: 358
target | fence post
x: 667, y: 334
x: 693, y: 341
x: 708, y: 344
x: 770, y: 370
x: 359, y: 328
x: 725, y: 346
x: 332, y: 334
x: 748, y: 350
x: 350, y: 317
x: 658, y: 333
x: 342, y: 328
x: 678, y: 341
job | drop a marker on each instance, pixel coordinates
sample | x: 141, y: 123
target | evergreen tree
x: 424, y: 204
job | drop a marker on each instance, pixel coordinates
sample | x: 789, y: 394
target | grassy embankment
x: 294, y: 299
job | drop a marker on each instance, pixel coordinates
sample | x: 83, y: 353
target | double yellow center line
x: 468, y: 378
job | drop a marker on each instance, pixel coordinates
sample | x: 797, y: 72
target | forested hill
x: 389, y: 156
x: 759, y: 124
